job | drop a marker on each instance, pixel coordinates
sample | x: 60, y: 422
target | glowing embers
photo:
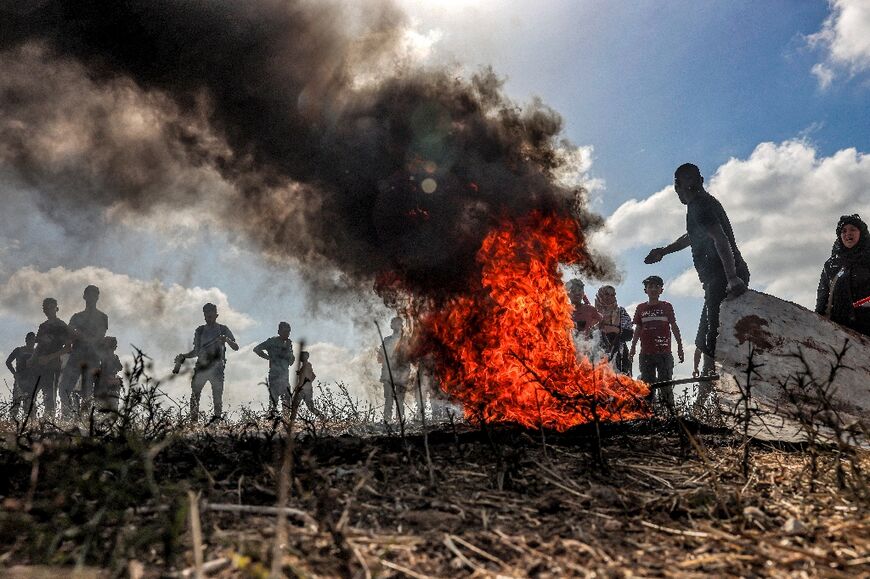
x: 505, y: 349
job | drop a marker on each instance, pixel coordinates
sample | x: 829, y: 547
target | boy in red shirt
x: 655, y: 321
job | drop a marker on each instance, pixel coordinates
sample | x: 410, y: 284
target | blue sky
x: 647, y: 85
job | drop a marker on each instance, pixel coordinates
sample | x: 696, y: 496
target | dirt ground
x: 650, y: 500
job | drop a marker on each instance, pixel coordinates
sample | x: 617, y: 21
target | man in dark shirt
x: 51, y: 340
x: 22, y: 384
x: 210, y: 343
x: 718, y: 262
x: 87, y: 330
x: 279, y: 351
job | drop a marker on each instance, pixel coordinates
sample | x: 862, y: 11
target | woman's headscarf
x: 605, y: 303
x: 849, y: 253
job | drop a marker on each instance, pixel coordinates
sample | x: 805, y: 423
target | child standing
x: 108, y: 385
x: 305, y: 377
x: 655, y: 321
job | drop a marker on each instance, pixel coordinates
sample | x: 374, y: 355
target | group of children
x: 609, y: 328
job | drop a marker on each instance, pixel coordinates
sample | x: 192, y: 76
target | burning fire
x: 505, y: 350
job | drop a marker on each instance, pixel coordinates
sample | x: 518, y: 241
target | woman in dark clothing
x: 846, y: 276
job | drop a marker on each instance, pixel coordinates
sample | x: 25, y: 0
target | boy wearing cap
x: 655, y: 321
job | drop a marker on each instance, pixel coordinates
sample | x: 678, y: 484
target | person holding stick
x: 210, y: 342
x: 395, y: 370
x: 845, y: 279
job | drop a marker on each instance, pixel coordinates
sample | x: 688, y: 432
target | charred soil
x: 648, y: 498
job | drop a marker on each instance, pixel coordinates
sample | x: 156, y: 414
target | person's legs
x: 647, y: 367
x: 217, y: 390
x: 197, y: 383
x: 308, y: 397
x: 665, y: 372
x: 16, y: 399
x: 69, y: 377
x: 89, y: 370
x: 279, y: 389
x: 48, y: 386
x: 389, y: 402
x: 401, y: 391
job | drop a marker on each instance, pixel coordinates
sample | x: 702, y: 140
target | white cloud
x: 686, y: 284
x: 658, y: 218
x: 845, y: 37
x: 824, y: 75
x: 783, y: 202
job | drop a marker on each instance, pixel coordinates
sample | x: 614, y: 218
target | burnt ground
x: 651, y: 500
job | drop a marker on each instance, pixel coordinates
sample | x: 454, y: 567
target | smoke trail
x: 325, y: 155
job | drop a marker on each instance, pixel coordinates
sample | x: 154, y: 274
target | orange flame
x: 506, y: 350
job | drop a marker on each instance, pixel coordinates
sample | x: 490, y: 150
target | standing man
x: 395, y: 370
x: 87, y: 330
x: 210, y: 343
x: 22, y: 376
x: 51, y: 340
x: 279, y: 351
x: 718, y: 262
x: 655, y: 321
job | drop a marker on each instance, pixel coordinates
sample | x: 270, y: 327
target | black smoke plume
x: 336, y: 151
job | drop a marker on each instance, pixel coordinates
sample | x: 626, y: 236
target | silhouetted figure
x: 718, y: 262
x: 51, y: 343
x: 107, y: 391
x: 305, y: 379
x: 279, y: 351
x: 430, y: 385
x: 22, y: 383
x: 845, y: 276
x: 87, y: 329
x: 209, y: 348
x: 394, y: 351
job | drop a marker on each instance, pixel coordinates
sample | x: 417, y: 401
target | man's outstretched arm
x: 655, y: 255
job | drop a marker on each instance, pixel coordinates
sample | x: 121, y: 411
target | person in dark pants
x: 87, y: 329
x: 720, y: 266
x: 654, y: 322
x: 845, y: 277
x: 22, y: 384
x: 51, y: 343
x: 278, y: 350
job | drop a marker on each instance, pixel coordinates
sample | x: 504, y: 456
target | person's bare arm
x: 655, y: 255
x: 230, y: 340
x: 260, y: 350
x: 736, y: 286
x: 634, y: 340
x: 676, y: 330
x: 9, y: 362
